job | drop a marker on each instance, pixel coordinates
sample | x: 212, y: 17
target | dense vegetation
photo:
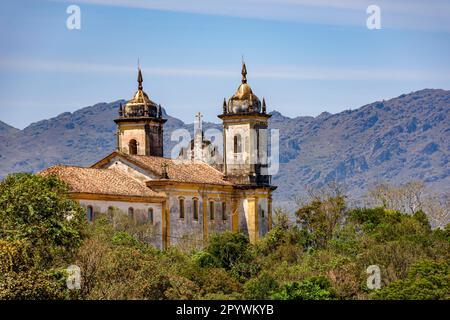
x: 324, y: 255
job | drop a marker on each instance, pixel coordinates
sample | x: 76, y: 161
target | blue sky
x: 303, y: 56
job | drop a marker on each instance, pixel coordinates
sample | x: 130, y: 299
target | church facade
x: 188, y: 197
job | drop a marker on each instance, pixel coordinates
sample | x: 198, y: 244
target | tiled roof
x: 180, y: 170
x: 100, y: 181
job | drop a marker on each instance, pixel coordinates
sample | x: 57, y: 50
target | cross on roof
x: 164, y: 166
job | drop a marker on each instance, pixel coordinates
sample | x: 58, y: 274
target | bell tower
x: 140, y: 125
x: 245, y: 146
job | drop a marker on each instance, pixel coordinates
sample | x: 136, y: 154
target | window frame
x: 212, y: 210
x: 131, y: 213
x: 181, y: 208
x: 237, y: 144
x: 135, y: 145
x: 150, y: 215
x: 90, y: 213
x: 224, y: 211
x: 195, y: 210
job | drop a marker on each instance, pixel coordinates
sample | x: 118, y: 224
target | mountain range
x: 398, y: 140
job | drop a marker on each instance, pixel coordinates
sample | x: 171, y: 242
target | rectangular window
x: 181, y: 208
x: 150, y: 215
x: 90, y: 213
x: 131, y: 213
x: 224, y: 211
x: 211, y: 210
x: 195, y: 204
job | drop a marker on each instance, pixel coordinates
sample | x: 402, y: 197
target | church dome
x: 244, y: 100
x: 140, y: 105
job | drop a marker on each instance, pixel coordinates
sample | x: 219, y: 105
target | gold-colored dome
x: 140, y: 105
x: 244, y: 100
x: 243, y: 92
x: 140, y: 97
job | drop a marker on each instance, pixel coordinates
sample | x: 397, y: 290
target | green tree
x: 38, y: 209
x: 319, y: 219
x: 426, y: 280
x: 40, y: 227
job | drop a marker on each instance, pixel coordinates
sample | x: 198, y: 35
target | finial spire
x: 244, y: 71
x: 120, y: 110
x: 140, y: 79
x: 264, y: 105
x: 224, y: 106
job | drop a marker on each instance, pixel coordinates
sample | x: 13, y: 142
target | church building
x: 184, y: 198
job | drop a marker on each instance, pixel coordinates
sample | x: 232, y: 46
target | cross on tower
x: 199, y: 117
x: 198, y: 126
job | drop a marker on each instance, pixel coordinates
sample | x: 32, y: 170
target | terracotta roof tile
x: 100, y: 181
x: 180, y: 170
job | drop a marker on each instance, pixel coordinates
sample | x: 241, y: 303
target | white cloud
x: 416, y: 14
x: 266, y: 72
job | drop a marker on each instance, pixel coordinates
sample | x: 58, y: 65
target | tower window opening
x: 237, y: 143
x: 132, y: 146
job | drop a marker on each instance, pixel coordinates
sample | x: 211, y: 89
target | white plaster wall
x: 243, y: 216
x: 243, y: 131
x: 130, y: 169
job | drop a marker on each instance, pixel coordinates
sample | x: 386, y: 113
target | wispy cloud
x: 266, y: 72
x: 416, y: 14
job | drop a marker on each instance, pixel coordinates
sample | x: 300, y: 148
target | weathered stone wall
x: 128, y: 133
x: 185, y: 229
x: 194, y: 230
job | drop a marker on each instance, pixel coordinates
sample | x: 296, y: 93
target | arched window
x: 130, y: 213
x: 181, y: 202
x: 90, y: 213
x: 132, y: 146
x: 224, y: 211
x: 195, y: 210
x: 150, y: 215
x: 110, y: 213
x: 211, y: 210
x: 237, y: 144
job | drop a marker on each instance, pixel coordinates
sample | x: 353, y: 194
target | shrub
x: 315, y: 288
x: 261, y: 287
x: 228, y: 248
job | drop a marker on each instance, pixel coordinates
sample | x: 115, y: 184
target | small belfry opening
x: 132, y: 146
x: 237, y: 144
